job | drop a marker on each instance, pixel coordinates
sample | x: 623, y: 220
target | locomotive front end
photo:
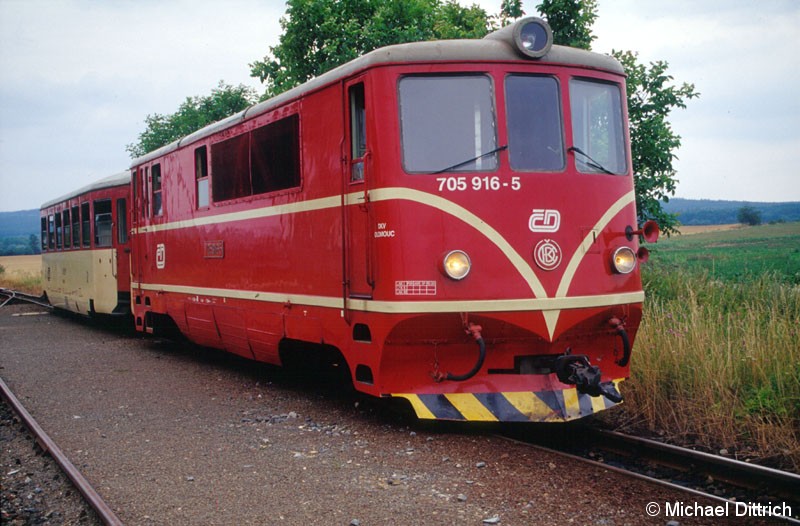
x: 505, y: 251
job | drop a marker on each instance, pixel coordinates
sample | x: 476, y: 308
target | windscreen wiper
x: 594, y: 164
x: 481, y: 156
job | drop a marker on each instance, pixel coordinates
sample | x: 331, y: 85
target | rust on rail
x: 92, y: 497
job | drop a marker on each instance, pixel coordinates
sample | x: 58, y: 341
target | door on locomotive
x: 358, y: 253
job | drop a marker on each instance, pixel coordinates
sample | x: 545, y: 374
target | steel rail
x: 732, y: 471
x: 102, y: 509
x: 15, y: 295
x: 720, y: 468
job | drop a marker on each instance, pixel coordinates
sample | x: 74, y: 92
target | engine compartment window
x: 535, y: 133
x: 448, y: 123
x: 264, y: 160
x: 597, y: 127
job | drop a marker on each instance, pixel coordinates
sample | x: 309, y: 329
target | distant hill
x: 708, y: 212
x: 21, y: 223
x: 16, y: 229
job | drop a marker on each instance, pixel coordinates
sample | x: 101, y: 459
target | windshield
x: 597, y: 126
x: 447, y: 123
x: 534, y: 123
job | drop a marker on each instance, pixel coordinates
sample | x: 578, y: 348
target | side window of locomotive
x: 358, y: 132
x: 201, y: 176
x: 76, y: 227
x: 86, y: 224
x: 275, y: 156
x: 102, y: 223
x: 122, y: 221
x: 158, y: 203
x: 535, y: 131
x: 447, y: 123
x: 145, y: 208
x: 597, y: 126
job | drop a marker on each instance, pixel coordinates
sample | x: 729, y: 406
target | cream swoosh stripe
x: 583, y: 248
x: 253, y: 213
x: 405, y: 307
x: 522, y: 266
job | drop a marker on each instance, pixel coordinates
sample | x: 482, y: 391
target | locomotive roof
x: 494, y: 47
x: 120, y: 179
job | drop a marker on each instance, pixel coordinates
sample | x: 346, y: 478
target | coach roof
x: 120, y: 179
x: 495, y: 47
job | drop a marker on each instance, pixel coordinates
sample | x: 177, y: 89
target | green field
x: 717, y: 359
x: 739, y: 255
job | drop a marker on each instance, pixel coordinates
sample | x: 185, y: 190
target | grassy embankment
x: 717, y: 359
x: 22, y: 273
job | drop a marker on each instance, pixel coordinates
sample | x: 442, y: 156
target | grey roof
x: 120, y: 179
x: 495, y: 47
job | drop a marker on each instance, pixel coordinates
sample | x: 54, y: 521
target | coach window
x: 597, y: 128
x: 43, y: 233
x: 447, y: 123
x: 358, y: 132
x: 58, y: 231
x: 102, y: 223
x: 535, y: 134
x: 67, y: 229
x: 51, y: 231
x: 122, y: 221
x: 158, y: 204
x: 86, y: 225
x: 201, y: 175
x: 76, y: 227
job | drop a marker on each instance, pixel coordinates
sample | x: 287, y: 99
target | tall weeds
x: 718, y: 363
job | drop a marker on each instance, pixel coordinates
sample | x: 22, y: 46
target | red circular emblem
x: 547, y: 254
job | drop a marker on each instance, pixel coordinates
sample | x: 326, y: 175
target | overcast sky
x: 78, y: 78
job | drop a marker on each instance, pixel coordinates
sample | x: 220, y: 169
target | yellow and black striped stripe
x: 525, y: 406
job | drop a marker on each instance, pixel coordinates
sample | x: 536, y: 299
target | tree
x: 194, y: 113
x: 33, y: 243
x: 571, y: 21
x: 651, y: 98
x: 510, y: 10
x: 319, y: 35
x: 749, y: 216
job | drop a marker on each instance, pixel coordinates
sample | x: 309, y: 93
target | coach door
x: 359, y: 275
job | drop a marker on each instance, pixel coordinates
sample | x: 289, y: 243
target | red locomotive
x: 454, y: 219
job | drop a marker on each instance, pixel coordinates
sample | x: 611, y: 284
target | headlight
x: 456, y: 264
x: 624, y: 260
x: 533, y: 37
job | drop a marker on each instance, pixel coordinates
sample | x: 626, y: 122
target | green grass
x: 739, y: 255
x: 717, y: 357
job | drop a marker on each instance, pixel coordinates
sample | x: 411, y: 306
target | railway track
x: 90, y: 495
x: 8, y: 297
x: 732, y: 483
